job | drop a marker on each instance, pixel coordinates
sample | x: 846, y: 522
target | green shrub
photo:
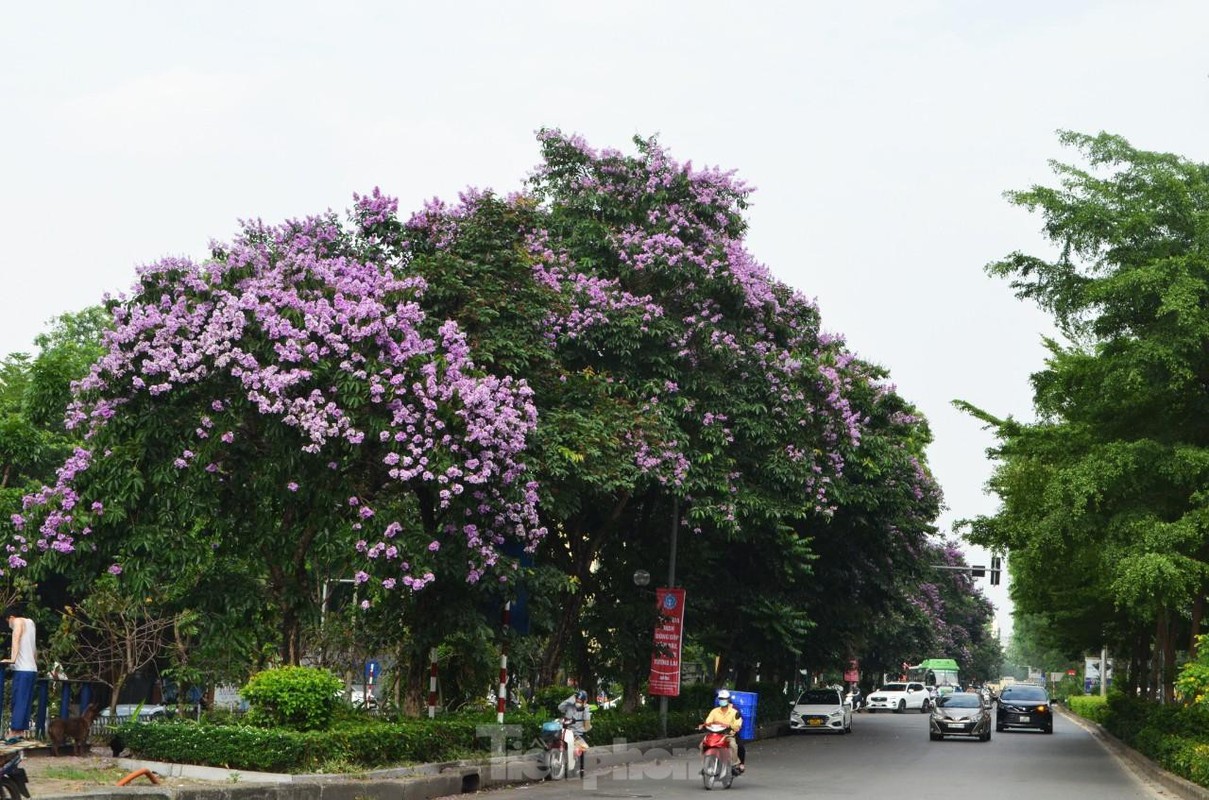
x: 1092, y: 707
x: 545, y: 701
x: 1128, y: 715
x: 694, y: 697
x: 298, y: 698
x: 1070, y: 686
x: 773, y: 703
x: 1193, y: 682
x: 1175, y: 736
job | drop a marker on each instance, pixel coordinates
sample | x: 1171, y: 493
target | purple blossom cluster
x: 688, y: 239
x: 320, y: 328
x: 300, y: 330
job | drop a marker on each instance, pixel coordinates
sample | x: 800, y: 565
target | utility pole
x: 671, y: 584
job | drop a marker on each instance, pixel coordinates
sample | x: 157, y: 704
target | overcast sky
x: 880, y: 137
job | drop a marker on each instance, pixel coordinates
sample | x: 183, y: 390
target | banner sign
x: 669, y: 635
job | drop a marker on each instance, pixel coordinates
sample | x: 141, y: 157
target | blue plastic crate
x: 746, y: 703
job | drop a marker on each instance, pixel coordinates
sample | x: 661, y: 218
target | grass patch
x: 98, y: 775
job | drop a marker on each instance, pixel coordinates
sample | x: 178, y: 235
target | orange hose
x: 139, y: 773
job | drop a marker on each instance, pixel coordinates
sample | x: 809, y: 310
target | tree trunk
x: 568, y: 625
x: 1137, y: 667
x: 1168, y: 684
x: 1198, y: 613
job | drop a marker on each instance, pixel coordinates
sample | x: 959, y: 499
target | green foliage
x: 1069, y: 687
x: 1092, y: 707
x: 367, y: 743
x: 1177, y: 737
x: 1103, y: 503
x: 694, y: 698
x: 1193, y: 681
x: 298, y: 698
x: 546, y: 699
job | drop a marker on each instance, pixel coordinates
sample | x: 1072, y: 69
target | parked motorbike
x: 558, y: 738
x: 13, y: 778
x: 716, y: 766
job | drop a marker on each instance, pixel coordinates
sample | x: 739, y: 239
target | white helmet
x: 723, y: 694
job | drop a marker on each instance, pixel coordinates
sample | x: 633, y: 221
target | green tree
x: 1104, y: 508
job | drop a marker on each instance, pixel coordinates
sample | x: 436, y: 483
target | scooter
x: 715, y: 758
x: 13, y: 777
x: 558, y: 737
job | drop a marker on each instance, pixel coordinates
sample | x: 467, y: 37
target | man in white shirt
x: 24, y: 672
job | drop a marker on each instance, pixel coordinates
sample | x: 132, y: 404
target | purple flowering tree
x: 285, y: 400
x: 403, y: 399
x: 667, y: 365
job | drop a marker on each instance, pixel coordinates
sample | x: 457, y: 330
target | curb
x: 1138, y: 763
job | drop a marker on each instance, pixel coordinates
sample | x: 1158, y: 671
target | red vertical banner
x: 669, y: 635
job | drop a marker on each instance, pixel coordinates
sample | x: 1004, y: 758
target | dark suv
x: 1024, y: 706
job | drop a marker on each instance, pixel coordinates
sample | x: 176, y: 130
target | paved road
x: 886, y: 756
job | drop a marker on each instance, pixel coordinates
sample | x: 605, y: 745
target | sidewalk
x: 1139, y: 764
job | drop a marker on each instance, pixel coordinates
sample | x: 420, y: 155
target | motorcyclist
x: 575, y: 708
x: 725, y: 713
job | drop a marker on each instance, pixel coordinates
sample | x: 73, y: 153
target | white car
x: 821, y: 710
x: 899, y: 697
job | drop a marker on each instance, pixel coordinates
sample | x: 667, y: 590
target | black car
x: 1024, y: 706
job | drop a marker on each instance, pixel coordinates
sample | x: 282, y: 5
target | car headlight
x: 794, y: 715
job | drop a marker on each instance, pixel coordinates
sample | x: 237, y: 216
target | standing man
x: 25, y: 672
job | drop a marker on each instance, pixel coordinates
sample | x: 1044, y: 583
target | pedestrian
x: 24, y: 672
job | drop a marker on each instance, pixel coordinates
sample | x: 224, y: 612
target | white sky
x: 880, y: 136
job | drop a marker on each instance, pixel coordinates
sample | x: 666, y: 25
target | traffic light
x: 996, y: 566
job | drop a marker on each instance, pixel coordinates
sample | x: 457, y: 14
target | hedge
x: 1176, y: 737
x: 370, y: 744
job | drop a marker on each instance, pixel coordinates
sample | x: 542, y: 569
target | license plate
x: 1023, y: 717
x: 815, y: 722
x: 956, y: 725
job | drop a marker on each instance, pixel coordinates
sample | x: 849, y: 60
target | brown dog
x: 75, y: 728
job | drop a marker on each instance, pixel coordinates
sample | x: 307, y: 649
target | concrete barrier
x: 420, y: 782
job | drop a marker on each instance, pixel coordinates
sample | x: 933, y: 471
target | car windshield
x: 894, y: 687
x: 959, y: 701
x: 818, y: 697
x: 1029, y: 694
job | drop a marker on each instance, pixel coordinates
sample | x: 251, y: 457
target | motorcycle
x: 13, y: 777
x: 715, y: 758
x: 558, y: 738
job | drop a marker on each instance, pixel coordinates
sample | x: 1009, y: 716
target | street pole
x: 1104, y: 670
x: 671, y: 584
